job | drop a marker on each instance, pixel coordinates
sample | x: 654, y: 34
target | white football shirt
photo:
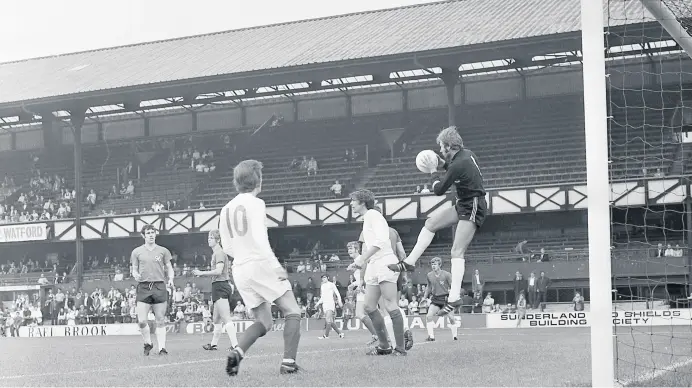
x: 376, y: 234
x: 243, y: 230
x: 328, y: 294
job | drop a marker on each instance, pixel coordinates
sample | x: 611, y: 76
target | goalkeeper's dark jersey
x: 462, y: 171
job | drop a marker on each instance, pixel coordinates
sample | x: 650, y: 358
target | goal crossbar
x: 671, y: 22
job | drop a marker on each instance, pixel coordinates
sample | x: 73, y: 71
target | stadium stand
x: 325, y: 141
x: 642, y: 140
x: 514, y: 143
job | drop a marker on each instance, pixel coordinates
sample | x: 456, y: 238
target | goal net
x: 649, y: 97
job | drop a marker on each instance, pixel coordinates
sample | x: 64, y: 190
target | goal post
x: 598, y: 193
x: 672, y: 14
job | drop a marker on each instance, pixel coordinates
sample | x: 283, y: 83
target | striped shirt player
x: 220, y: 284
x: 259, y: 277
x: 221, y: 292
x: 439, y: 284
x: 150, y: 265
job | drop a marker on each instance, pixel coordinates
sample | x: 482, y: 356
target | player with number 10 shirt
x: 258, y: 275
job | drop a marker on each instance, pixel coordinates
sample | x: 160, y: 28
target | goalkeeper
x: 468, y: 213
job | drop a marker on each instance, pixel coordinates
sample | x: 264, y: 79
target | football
x: 427, y: 161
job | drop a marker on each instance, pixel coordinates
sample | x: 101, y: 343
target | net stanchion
x: 648, y: 70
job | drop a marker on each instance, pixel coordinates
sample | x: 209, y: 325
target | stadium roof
x: 327, y: 41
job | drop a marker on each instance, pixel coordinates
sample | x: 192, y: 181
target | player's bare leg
x: 329, y: 324
x: 390, y: 303
x: 222, y: 320
x: 372, y: 296
x: 216, y: 320
x: 289, y: 307
x: 430, y: 318
x: 433, y: 224
x: 142, y: 310
x: 387, y: 320
x: 160, y: 314
x: 367, y: 322
x: 408, y: 335
x: 453, y: 326
x: 462, y: 238
x: 336, y: 328
x: 263, y: 323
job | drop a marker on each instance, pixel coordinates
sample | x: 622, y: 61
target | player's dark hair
x: 247, y: 175
x: 450, y: 137
x: 365, y: 196
x: 148, y: 227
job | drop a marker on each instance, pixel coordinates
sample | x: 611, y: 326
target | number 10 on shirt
x: 236, y: 223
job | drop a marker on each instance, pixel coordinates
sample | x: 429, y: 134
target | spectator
x: 519, y: 248
x: 403, y: 302
x: 239, y: 310
x: 488, y: 303
x: 42, y: 280
x: 413, y: 306
x: 542, y: 256
x: 578, y: 302
x: 543, y: 285
x: 520, y: 286
x: 678, y: 251
x: 532, y: 290
x: 477, y: 282
x: 336, y: 189
x: 130, y: 190
x: 312, y: 167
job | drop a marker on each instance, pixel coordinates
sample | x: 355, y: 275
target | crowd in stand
x: 27, y: 265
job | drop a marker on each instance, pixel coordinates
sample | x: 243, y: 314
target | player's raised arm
x: 440, y: 184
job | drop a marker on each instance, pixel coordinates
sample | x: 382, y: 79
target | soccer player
x: 439, y: 282
x: 328, y: 294
x: 379, y: 280
x: 258, y: 275
x: 150, y: 262
x: 398, y: 249
x: 221, y: 292
x: 468, y: 213
x: 357, y: 285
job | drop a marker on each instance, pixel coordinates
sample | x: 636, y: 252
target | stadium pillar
x: 598, y: 193
x: 688, y: 230
x: 451, y: 78
x: 77, y: 121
